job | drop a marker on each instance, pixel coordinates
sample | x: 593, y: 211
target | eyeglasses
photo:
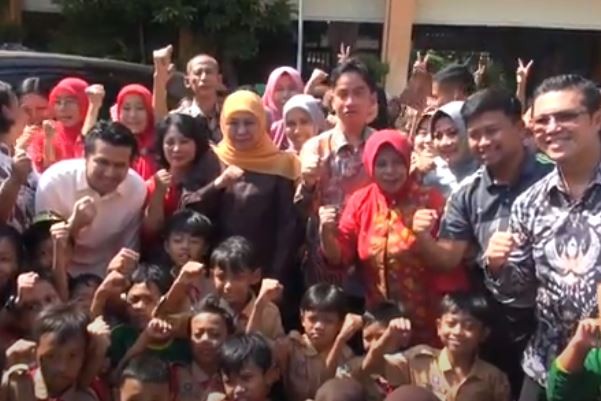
x: 563, y: 118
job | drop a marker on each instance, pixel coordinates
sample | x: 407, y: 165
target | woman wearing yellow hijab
x: 257, y: 201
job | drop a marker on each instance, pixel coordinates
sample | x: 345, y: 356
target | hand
x: 162, y: 58
x: 21, y: 352
x: 100, y: 334
x: 310, y: 170
x: 24, y: 140
x: 499, y: 247
x: 60, y: 235
x: 318, y: 76
x: 191, y: 273
x: 420, y: 67
x: 344, y: 53
x: 352, y: 323
x: 588, y: 334
x: 49, y: 129
x: 125, y: 261
x: 424, y: 220
x: 270, y: 291
x: 162, y: 179
x: 21, y: 167
x: 229, y: 176
x: 25, y: 286
x: 84, y: 212
x: 422, y: 162
x: 523, y: 71
x: 95, y: 95
x: 480, y: 73
x: 114, y: 284
x: 328, y: 218
x: 157, y: 331
x: 398, y: 331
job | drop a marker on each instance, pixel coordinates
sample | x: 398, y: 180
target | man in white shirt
x: 100, y: 197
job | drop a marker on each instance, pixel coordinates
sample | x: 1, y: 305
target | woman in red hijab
x: 68, y: 104
x: 374, y: 233
x: 134, y: 110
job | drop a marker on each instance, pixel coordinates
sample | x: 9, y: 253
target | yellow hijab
x: 264, y: 157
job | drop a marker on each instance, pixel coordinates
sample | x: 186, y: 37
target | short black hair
x: 324, y: 297
x: 491, y: 99
x: 215, y: 305
x: 147, y: 273
x: 35, y: 86
x: 590, y: 92
x: 235, y: 254
x: 353, y: 66
x: 240, y: 349
x: 384, y: 312
x: 341, y: 389
x: 86, y: 279
x: 11, y: 234
x: 474, y: 304
x: 146, y: 368
x: 457, y: 75
x: 7, y: 96
x: 195, y: 128
x: 190, y: 222
x: 66, y: 321
x: 112, y: 132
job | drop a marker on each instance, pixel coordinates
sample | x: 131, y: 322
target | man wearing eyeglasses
x: 552, y: 248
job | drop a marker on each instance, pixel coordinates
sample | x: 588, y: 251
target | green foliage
x: 376, y: 67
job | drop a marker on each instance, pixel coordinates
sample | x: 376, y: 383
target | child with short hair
x: 341, y: 389
x: 453, y: 371
x: 145, y: 378
x: 82, y: 289
x: 308, y: 360
x: 38, y: 242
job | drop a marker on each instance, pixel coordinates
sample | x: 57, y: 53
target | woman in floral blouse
x: 375, y: 231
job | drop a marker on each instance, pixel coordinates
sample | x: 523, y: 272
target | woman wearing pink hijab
x: 283, y: 83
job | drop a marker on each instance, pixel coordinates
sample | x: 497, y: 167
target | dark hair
x: 12, y: 235
x: 87, y: 279
x: 147, y: 273
x: 235, y: 254
x: 353, y: 66
x: 491, y: 99
x: 146, y: 368
x: 193, y: 128
x: 66, y: 321
x: 457, y: 75
x: 384, y: 312
x: 470, y: 303
x: 6, y: 97
x: 324, y: 297
x: 586, y: 87
x: 341, y: 389
x: 382, y: 120
x: 190, y: 222
x: 35, y: 86
x: 240, y: 349
x: 112, y: 132
x: 215, y: 305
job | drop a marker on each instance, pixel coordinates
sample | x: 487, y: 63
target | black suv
x: 15, y: 66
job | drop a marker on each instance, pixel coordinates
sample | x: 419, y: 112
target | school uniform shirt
x: 377, y: 386
x: 431, y: 368
x: 72, y: 394
x: 554, y: 265
x: 307, y: 368
x: 191, y: 383
x: 118, y: 214
x: 270, y: 323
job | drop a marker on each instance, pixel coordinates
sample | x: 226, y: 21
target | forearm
x: 254, y: 320
x: 578, y: 385
x: 374, y: 359
x: 439, y: 256
x: 334, y: 357
x: 303, y: 199
x: 91, y: 119
x: 521, y: 94
x: 49, y: 153
x: 159, y: 96
x: 571, y: 360
x: 173, y: 301
x: 330, y: 247
x: 59, y: 273
x: 154, y: 218
x: 9, y: 191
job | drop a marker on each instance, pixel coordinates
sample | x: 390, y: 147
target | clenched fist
x: 424, y: 221
x: 499, y: 248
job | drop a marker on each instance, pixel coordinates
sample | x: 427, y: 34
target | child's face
x: 142, y: 298
x: 42, y: 295
x: 134, y: 390
x: 183, y: 247
x: 461, y: 333
x: 235, y: 288
x: 208, y: 332
x: 83, y: 294
x: 250, y: 384
x: 43, y: 255
x: 8, y: 261
x: 60, y: 362
x: 372, y: 333
x: 321, y: 327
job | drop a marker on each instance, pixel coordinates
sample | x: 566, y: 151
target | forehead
x: 458, y: 316
x: 297, y: 113
x: 51, y: 340
x: 241, y: 115
x: 444, y: 123
x: 133, y: 98
x: 387, y: 151
x: 488, y: 118
x: 143, y: 289
x: 106, y: 150
x: 349, y: 81
x: 202, y: 63
x: 207, y: 319
x: 554, y: 101
x: 6, y: 245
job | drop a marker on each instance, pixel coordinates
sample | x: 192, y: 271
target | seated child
x: 145, y: 378
x: 61, y: 347
x: 309, y: 360
x: 576, y: 373
x: 247, y: 368
x: 375, y: 323
x: 209, y: 327
x: 453, y: 373
x: 341, y: 389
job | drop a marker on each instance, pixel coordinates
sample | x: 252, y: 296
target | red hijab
x: 70, y: 138
x: 145, y: 164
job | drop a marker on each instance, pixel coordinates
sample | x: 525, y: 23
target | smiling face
x: 243, y: 130
x: 390, y: 170
x: 133, y: 113
x: 208, y: 333
x: 461, y: 333
x: 35, y: 107
x: 67, y: 110
x: 494, y: 138
x: 284, y: 89
x: 179, y: 150
x: 299, y: 127
x: 448, y: 142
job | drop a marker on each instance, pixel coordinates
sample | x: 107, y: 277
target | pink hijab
x: 275, y: 112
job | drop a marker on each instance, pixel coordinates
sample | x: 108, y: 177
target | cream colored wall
x: 344, y: 10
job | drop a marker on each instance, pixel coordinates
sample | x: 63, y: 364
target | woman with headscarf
x: 256, y: 201
x: 68, y: 104
x: 374, y: 233
x: 283, y: 83
x: 303, y: 119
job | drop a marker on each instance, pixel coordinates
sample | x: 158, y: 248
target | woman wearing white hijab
x: 303, y: 119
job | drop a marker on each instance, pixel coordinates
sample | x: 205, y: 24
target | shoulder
x: 134, y: 185
x: 360, y: 196
x: 536, y: 193
x: 467, y: 185
x: 490, y: 372
x: 63, y: 170
x: 315, y: 143
x: 419, y: 352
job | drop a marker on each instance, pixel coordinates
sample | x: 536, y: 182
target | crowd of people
x: 321, y: 242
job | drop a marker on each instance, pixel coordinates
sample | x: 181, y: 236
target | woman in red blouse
x: 68, y: 104
x: 374, y: 233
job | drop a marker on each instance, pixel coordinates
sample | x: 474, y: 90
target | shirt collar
x: 195, y: 110
x: 444, y: 364
x: 340, y: 141
x: 556, y: 181
x: 527, y: 169
x: 305, y: 344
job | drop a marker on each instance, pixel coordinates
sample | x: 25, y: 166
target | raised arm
x: 162, y: 68
x: 95, y: 95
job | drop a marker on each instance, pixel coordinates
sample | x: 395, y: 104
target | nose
x: 227, y: 286
x: 552, y: 126
x: 484, y: 141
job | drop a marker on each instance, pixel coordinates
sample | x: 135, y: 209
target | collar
x: 196, y: 110
x: 556, y: 181
x: 247, y: 310
x: 478, y: 370
x: 81, y: 184
x: 41, y: 390
x: 527, y: 169
x: 340, y: 141
x: 198, y: 374
x: 304, y: 343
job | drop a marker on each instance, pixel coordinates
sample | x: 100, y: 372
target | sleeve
x: 501, y: 388
x: 579, y: 386
x: 455, y: 222
x: 273, y: 322
x: 287, y: 221
x: 397, y: 369
x: 348, y: 230
x: 48, y: 197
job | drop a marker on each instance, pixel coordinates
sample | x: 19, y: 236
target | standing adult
x: 455, y: 82
x: 303, y: 119
x: 100, y: 197
x: 549, y: 256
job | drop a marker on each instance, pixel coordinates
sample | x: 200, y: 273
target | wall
x: 343, y: 10
x: 42, y: 6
